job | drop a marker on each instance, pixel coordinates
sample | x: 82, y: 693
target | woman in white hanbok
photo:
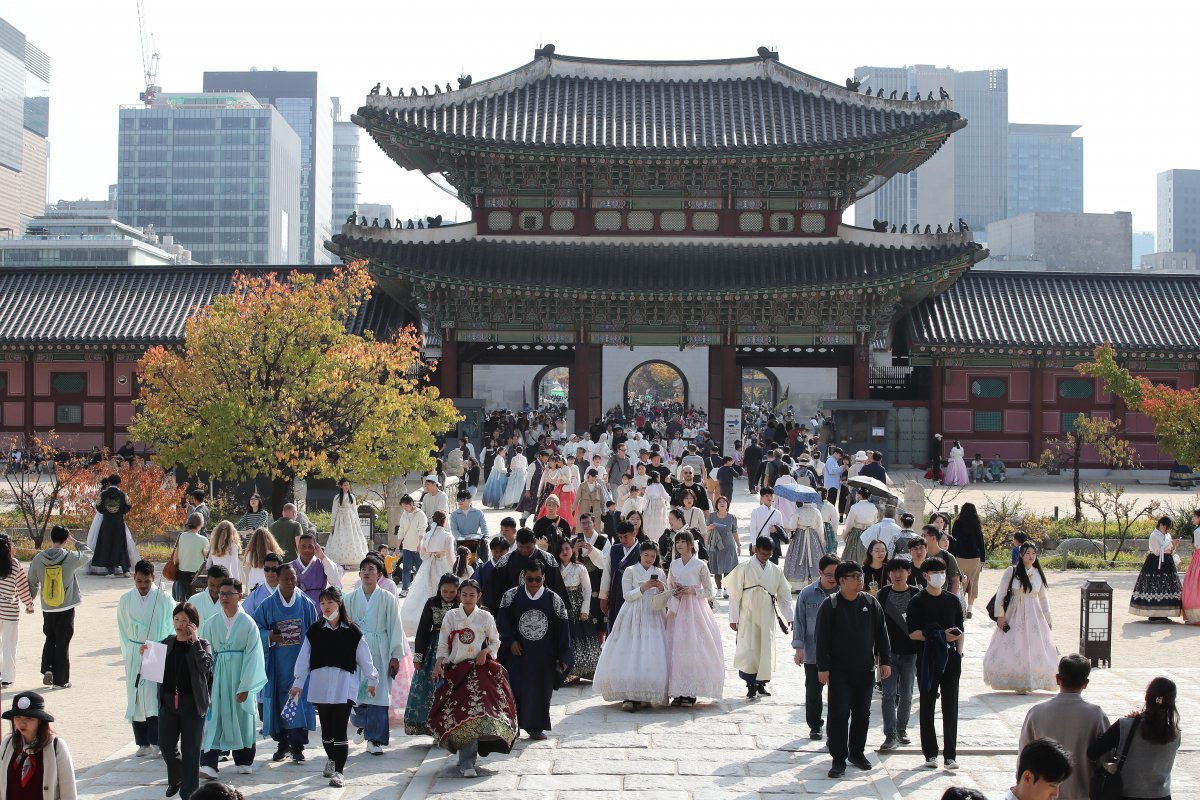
x: 437, y: 558
x: 516, y: 480
x: 807, y: 545
x: 695, y: 657
x: 633, y: 664
x: 1022, y: 656
x: 658, y: 503
x: 347, y: 546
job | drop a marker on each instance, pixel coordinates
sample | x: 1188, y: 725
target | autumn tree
x: 1103, y: 436
x: 156, y: 502
x: 1176, y: 412
x: 36, y: 487
x: 271, y: 382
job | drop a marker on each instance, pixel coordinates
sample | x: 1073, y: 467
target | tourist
x: 112, y: 550
x: 804, y: 639
x: 693, y: 515
x: 658, y: 503
x: 1147, y: 741
x: 636, y: 518
x: 935, y: 618
x: 759, y: 595
x: 255, y: 516
x: 425, y: 647
x: 497, y: 547
x: 14, y: 591
x: 1019, y: 538
x: 860, y: 516
x: 695, y: 656
x: 726, y: 474
x: 191, y: 549
x: 956, y: 467
x: 335, y: 662
x: 723, y: 542
x: 286, y: 532
x: 689, y: 484
x: 589, y: 547
x: 1042, y: 767
x: 531, y: 499
x: 676, y: 522
x: 1191, y: 590
x: 514, y: 488
x: 1071, y: 720
x: 934, y: 535
x: 1022, y: 656
x: 437, y: 558
x: 591, y: 496
x: 894, y: 599
x: 143, y: 615
x: 34, y: 761
x: 874, y: 565
x: 833, y: 476
x: 196, y: 505
x: 996, y: 472
x: 977, y: 468
x: 346, y: 545
x: 969, y: 550
x: 635, y: 501
x: 874, y: 468
x: 829, y: 518
x: 183, y: 700
x: 497, y: 480
x: 551, y: 528
x: 225, y: 549
x: 904, y: 536
x: 535, y: 648
x: 238, y: 673
x: 510, y: 569
x: 314, y: 569
x: 1158, y: 594
x: 270, y: 573
x: 409, y: 533
x: 473, y: 713
x: 633, y: 664
x: 851, y: 642
x: 615, y: 559
x: 55, y: 571
x: 434, y: 499
x: 617, y: 467
x: 886, y: 531
x: 766, y: 520
x: 282, y: 619
x: 585, y: 638
x: 207, y: 600
x: 752, y: 460
x: 467, y: 524
x: 262, y: 543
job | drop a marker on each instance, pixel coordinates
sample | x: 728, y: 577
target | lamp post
x: 1095, y: 622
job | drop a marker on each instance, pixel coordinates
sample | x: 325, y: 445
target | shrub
x: 156, y: 503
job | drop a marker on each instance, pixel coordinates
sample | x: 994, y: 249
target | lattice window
x: 706, y: 221
x: 812, y: 223
x: 68, y: 383
x: 1069, y: 418
x: 989, y: 387
x: 641, y: 220
x: 1075, y: 389
x: 532, y: 220
x: 562, y: 221
x: 608, y: 220
x: 988, y: 421
x: 782, y: 223
x: 750, y: 222
x: 500, y: 220
x: 672, y: 220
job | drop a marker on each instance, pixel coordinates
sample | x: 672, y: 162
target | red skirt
x: 474, y: 703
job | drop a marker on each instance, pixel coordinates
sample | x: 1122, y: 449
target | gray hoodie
x: 71, y: 563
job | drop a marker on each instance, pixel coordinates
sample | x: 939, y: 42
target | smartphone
x: 653, y: 576
x: 955, y: 631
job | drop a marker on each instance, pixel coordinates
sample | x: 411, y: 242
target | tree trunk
x: 279, y: 495
x: 1077, y: 454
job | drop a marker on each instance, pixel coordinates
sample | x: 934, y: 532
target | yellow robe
x: 750, y: 587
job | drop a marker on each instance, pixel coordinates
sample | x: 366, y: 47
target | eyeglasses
x: 228, y: 594
x: 270, y: 570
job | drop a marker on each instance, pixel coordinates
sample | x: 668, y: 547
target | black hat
x: 28, y: 704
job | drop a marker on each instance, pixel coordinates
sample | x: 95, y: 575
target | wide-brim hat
x: 28, y: 704
x: 861, y: 455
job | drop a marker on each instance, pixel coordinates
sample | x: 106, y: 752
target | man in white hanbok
x: 143, y: 615
x: 759, y: 595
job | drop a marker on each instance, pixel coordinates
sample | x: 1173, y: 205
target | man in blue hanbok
x: 238, y: 674
x: 283, y: 618
x: 376, y: 612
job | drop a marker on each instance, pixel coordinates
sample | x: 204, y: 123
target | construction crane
x: 149, y: 59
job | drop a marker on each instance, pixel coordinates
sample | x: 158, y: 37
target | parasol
x: 797, y: 493
x: 873, y: 485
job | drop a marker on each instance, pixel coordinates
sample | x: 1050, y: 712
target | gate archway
x: 655, y: 383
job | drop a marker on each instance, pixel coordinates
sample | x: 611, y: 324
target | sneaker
x: 298, y: 754
x: 155, y: 751
x: 724, y: 595
x: 281, y: 753
x: 47, y: 678
x: 66, y: 685
x: 931, y: 763
x: 328, y: 771
x: 374, y: 749
x: 144, y: 751
x: 889, y: 744
x: 403, y: 593
x: 903, y: 738
x: 336, y: 780
x: 970, y: 613
x: 358, y: 737
x: 860, y: 761
x: 629, y: 706
x: 209, y: 772
x: 815, y: 734
x: 951, y: 763
x: 470, y: 773
x: 245, y: 769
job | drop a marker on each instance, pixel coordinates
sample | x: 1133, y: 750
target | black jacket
x: 200, y: 667
x: 851, y: 634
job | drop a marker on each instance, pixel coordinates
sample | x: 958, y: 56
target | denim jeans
x: 373, y: 720
x: 411, y: 562
x: 898, y: 691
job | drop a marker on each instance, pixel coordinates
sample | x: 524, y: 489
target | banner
x: 733, y: 430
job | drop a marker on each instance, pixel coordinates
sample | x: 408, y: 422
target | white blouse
x: 333, y: 684
x: 634, y: 576
x: 463, y: 637
x: 1009, y: 578
x: 573, y: 575
x: 692, y: 573
x: 437, y: 542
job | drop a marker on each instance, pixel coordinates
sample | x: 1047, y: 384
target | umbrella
x: 873, y: 485
x: 797, y: 493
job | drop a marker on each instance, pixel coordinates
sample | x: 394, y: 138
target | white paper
x: 154, y: 662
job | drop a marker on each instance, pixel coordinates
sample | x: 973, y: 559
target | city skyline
x: 98, y: 67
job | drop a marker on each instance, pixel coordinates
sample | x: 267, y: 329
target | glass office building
x: 1045, y: 169
x: 24, y: 127
x: 346, y: 166
x: 221, y: 172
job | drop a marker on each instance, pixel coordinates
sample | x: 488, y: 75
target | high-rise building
x: 373, y: 211
x: 298, y: 97
x: 1143, y: 245
x: 346, y: 165
x: 221, y: 172
x: 1179, y: 211
x: 1045, y: 169
x: 90, y: 237
x: 24, y: 128
x: 968, y: 177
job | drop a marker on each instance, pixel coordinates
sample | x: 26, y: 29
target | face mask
x: 331, y: 618
x: 937, y: 579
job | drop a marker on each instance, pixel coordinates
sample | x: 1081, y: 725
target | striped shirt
x: 13, y: 588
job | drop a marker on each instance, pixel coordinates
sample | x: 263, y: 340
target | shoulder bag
x: 171, y: 568
x: 1107, y: 783
x: 991, y: 604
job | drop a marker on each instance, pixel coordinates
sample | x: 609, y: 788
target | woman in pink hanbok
x: 1021, y: 656
x: 695, y: 657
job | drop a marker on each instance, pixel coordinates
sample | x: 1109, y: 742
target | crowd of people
x: 608, y: 567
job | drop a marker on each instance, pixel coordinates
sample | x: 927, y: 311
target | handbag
x: 1107, y: 783
x: 171, y: 568
x: 991, y: 604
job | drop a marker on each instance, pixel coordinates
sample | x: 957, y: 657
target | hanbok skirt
x: 401, y: 686
x: 1024, y: 658
x: 514, y: 488
x: 956, y: 473
x: 347, y: 546
x: 585, y: 638
x: 474, y: 703
x: 830, y: 538
x: 803, y: 555
x: 420, y: 694
x: 654, y: 518
x: 695, y: 657
x: 424, y: 585
x: 722, y: 552
x: 633, y: 663
x: 854, y: 549
x: 1158, y: 593
x: 566, y: 503
x: 494, y: 489
x: 529, y: 504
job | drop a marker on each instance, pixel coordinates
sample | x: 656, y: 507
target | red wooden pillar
x: 937, y: 385
x: 110, y: 402
x: 581, y: 375
x: 448, y: 368
x: 1035, y: 423
x: 29, y: 369
x: 862, y: 370
x: 731, y: 382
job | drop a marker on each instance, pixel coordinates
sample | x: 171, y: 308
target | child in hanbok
x: 1022, y: 656
x: 497, y: 483
x: 695, y: 658
x: 437, y: 558
x: 420, y: 694
x: 633, y: 663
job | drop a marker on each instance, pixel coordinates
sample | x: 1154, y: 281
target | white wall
x: 620, y: 361
x: 499, y: 385
x: 809, y: 385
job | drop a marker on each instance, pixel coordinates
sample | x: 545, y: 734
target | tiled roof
x: 1071, y: 311
x: 674, y: 267
x: 129, y: 306
x: 576, y: 104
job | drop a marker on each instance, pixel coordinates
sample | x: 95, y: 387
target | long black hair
x: 1160, y: 717
x: 5, y: 555
x: 343, y: 495
x: 335, y: 594
x: 967, y: 524
x: 1022, y: 574
x: 645, y: 546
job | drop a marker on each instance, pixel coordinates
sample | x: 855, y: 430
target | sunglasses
x: 533, y: 580
x: 270, y: 570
